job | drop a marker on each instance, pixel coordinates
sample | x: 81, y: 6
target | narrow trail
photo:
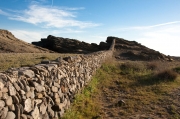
x: 110, y: 101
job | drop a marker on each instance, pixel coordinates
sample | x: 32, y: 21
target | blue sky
x: 153, y: 23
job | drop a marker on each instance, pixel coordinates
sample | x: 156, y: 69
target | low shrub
x: 166, y: 75
x: 131, y: 67
x: 177, y: 69
x: 152, y: 66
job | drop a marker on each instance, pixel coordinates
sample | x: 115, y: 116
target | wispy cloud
x: 49, y: 16
x: 161, y: 37
x: 3, y: 13
x: 29, y: 36
x: 147, y: 27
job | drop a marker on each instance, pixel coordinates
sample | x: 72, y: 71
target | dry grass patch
x: 15, y: 60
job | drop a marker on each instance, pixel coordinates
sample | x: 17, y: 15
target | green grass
x: 15, y: 60
x: 134, y: 82
x: 86, y: 104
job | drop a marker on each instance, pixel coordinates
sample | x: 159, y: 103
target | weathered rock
x: 35, y: 113
x: 30, y: 93
x: 57, y: 100
x: 54, y: 89
x: 39, y: 95
x: 38, y: 101
x: 1, y: 84
x: 23, y: 116
x: 11, y: 79
x: 4, y: 90
x: 3, y: 113
x: 20, y: 85
x: 46, y: 116
x: 65, y: 45
x: 28, y: 105
x: 10, y: 115
x: 56, y: 84
x: 50, y: 111
x: 1, y: 94
x: 17, y: 111
x: 9, y: 101
x: 12, y: 107
x: 39, y: 88
x: 5, y: 96
x: 3, y: 77
x: 28, y: 88
x: 2, y: 104
x: 22, y: 92
x: 12, y: 90
x: 17, y: 87
x: 56, y: 95
x: 15, y: 99
x: 43, y: 108
x: 29, y: 117
x: 27, y: 73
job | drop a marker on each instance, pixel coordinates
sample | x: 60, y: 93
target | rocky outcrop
x: 66, y: 45
x: 10, y: 44
x: 46, y: 90
x: 132, y: 50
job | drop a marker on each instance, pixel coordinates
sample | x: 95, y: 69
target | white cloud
x: 49, y: 16
x: 164, y: 37
x: 147, y: 27
x: 3, y: 13
x: 28, y: 36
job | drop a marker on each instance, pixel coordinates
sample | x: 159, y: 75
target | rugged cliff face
x: 9, y: 43
x: 133, y: 50
x: 66, y: 45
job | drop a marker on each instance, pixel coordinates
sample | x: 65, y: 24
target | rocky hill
x: 9, y: 43
x: 132, y: 50
x: 66, y: 45
x: 124, y: 49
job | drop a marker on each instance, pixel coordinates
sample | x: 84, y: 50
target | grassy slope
x: 132, y: 91
x: 15, y: 60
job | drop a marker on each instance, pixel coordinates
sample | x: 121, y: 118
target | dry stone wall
x: 46, y: 90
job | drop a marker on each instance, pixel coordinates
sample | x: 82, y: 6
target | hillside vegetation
x: 130, y: 90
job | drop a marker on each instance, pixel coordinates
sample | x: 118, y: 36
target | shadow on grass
x: 146, y: 80
x: 152, y: 79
